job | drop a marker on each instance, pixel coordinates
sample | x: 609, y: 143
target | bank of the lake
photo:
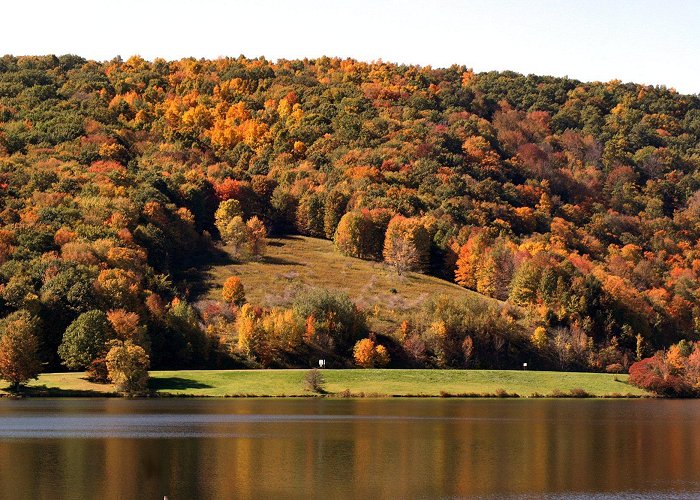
x: 358, y: 382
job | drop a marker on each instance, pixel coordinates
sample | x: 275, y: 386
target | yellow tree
x: 19, y: 356
x: 233, y: 291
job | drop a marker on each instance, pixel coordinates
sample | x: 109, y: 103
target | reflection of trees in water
x: 336, y: 449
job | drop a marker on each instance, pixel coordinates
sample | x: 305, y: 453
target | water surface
x: 286, y: 448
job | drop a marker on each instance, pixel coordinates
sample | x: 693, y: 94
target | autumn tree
x: 118, y: 288
x: 257, y: 236
x: 128, y: 327
x: 228, y: 210
x: 19, y: 349
x: 539, y: 337
x: 236, y: 236
x: 363, y: 352
x: 361, y: 234
x: 367, y: 354
x: 251, y: 338
x: 233, y: 291
x: 406, y: 245
x: 310, y: 215
x: 127, y: 366
x: 469, y: 260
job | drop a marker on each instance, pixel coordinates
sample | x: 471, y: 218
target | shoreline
x: 352, y: 384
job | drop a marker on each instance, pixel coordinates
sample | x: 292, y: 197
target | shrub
x: 654, y: 374
x: 337, y: 322
x: 314, y: 381
x: 614, y: 368
x: 579, y: 393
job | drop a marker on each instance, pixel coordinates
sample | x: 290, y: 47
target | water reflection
x: 186, y: 449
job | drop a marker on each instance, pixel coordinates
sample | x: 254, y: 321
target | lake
x: 381, y: 448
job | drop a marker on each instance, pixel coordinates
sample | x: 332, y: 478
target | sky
x: 651, y: 42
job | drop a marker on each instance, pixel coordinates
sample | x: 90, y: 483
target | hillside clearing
x: 295, y: 262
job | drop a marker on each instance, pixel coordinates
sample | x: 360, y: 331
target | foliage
x: 233, y: 291
x: 85, y: 340
x: 539, y: 337
x: 675, y: 372
x: 266, y: 334
x: 406, y: 245
x: 19, y: 349
x: 369, y: 355
x: 333, y: 321
x: 578, y: 202
x: 127, y: 365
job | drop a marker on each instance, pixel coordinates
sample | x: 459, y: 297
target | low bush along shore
x: 358, y: 383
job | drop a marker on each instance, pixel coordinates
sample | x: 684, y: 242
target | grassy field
x: 358, y: 382
x: 295, y: 262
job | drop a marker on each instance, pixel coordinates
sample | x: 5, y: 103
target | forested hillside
x: 577, y: 205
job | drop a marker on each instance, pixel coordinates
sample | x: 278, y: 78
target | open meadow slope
x: 295, y: 262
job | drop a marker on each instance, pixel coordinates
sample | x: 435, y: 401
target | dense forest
x: 575, y: 205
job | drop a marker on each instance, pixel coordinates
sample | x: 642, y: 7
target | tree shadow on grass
x: 55, y: 392
x: 280, y: 261
x: 175, y: 383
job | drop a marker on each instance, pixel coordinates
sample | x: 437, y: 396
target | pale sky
x: 653, y: 42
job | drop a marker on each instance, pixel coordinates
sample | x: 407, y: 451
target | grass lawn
x: 294, y: 262
x: 358, y: 381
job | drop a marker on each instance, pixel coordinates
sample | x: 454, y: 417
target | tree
x: 227, y: 211
x: 235, y: 234
x: 406, y: 245
x: 381, y: 356
x: 127, y: 326
x: 368, y: 355
x: 233, y: 291
x: 310, y: 215
x: 250, y: 336
x: 257, y: 236
x: 361, y: 234
x: 523, y: 287
x: 118, y: 288
x: 85, y: 340
x: 349, y: 233
x: 19, y: 349
x: 539, y: 337
x: 363, y: 352
x: 470, y: 258
x: 127, y: 366
x: 334, y: 207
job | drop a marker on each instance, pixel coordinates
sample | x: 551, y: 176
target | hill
x: 293, y: 263
x: 573, y: 205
